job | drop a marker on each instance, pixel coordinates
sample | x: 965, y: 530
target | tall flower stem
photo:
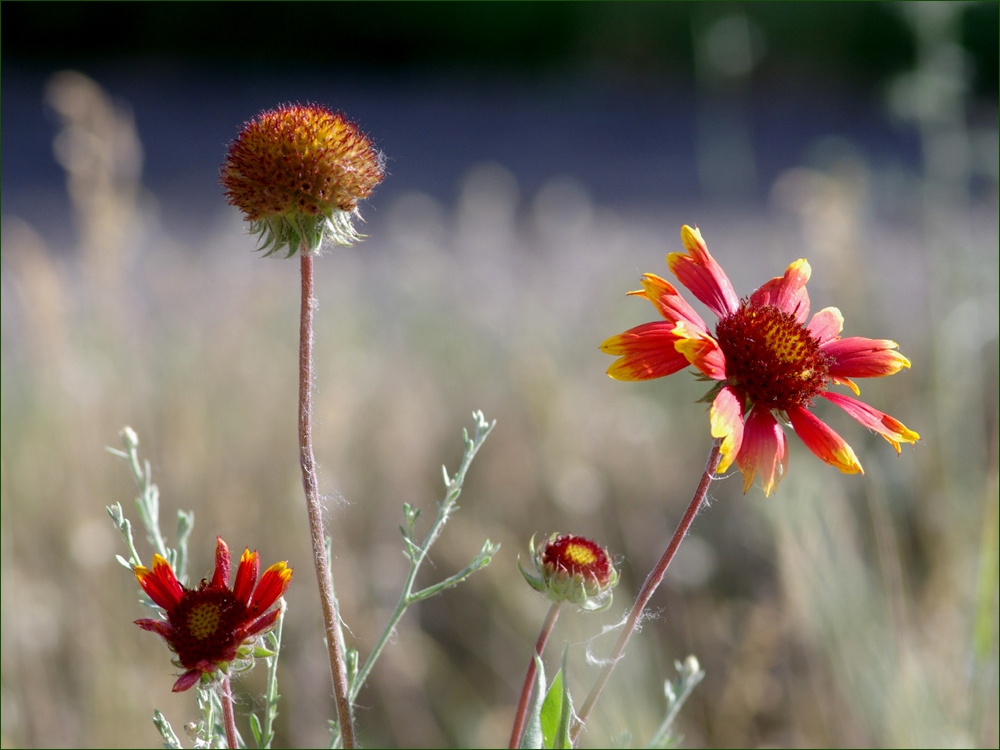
x: 228, y: 716
x: 331, y: 617
x: 653, y: 581
x: 529, y: 678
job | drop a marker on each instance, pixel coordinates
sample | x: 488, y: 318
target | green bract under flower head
x: 297, y: 173
x: 573, y: 569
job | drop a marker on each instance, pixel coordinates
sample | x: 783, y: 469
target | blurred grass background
x: 541, y: 158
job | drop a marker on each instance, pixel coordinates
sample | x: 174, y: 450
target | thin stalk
x: 331, y: 617
x: 653, y: 581
x: 520, y: 718
x: 229, y: 717
x: 418, y: 554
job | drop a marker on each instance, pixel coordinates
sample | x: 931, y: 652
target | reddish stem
x: 331, y: 617
x: 520, y: 718
x: 653, y: 580
x: 229, y: 717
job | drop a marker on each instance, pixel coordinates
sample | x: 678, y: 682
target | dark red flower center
x: 206, y: 624
x: 771, y: 358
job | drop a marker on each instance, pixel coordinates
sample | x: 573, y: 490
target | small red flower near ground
x: 297, y: 173
x: 770, y: 364
x: 575, y: 569
x: 210, y: 626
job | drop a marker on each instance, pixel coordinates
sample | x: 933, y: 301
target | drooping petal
x: 726, y: 418
x: 272, y: 585
x: 894, y: 431
x: 160, y: 583
x: 668, y: 302
x: 857, y: 357
x: 262, y: 624
x: 646, y: 352
x: 701, y: 350
x: 788, y: 292
x: 246, y: 576
x: 221, y: 575
x: 187, y: 680
x: 160, y: 627
x: 764, y: 450
x: 823, y: 441
x: 826, y: 325
x: 699, y: 272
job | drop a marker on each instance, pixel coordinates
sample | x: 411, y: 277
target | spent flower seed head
x: 297, y: 173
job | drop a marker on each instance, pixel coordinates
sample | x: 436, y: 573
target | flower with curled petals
x: 769, y: 363
x: 213, y: 625
x: 574, y: 569
x: 297, y: 173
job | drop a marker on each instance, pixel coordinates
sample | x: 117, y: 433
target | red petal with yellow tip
x: 246, y: 576
x: 826, y: 444
x: 647, y: 351
x: 894, y: 431
x: 698, y: 271
x: 160, y: 584
x: 788, y: 292
x: 764, y: 450
x: 857, y: 357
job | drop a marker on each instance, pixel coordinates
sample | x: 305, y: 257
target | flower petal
x: 246, y: 576
x: 668, y: 302
x: 221, y: 576
x: 160, y: 627
x: 726, y: 418
x: 857, y: 357
x: 260, y: 625
x: 894, y: 431
x: 701, y: 350
x: 187, y: 680
x: 647, y: 351
x: 272, y: 585
x: 823, y: 441
x: 826, y: 325
x: 700, y: 273
x: 160, y: 583
x: 764, y: 449
x: 788, y: 292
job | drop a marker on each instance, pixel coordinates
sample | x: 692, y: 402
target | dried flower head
x: 574, y: 569
x: 297, y: 173
x: 769, y: 363
x: 213, y: 625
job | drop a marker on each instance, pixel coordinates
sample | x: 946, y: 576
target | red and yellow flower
x: 213, y: 625
x: 574, y: 569
x: 297, y: 173
x: 769, y: 362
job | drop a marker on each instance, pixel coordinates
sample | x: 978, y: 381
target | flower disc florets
x: 771, y: 359
x: 212, y: 626
x: 574, y: 569
x: 297, y: 173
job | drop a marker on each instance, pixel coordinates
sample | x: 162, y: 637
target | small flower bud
x: 574, y: 569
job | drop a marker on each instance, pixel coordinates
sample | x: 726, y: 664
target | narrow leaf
x: 533, y: 730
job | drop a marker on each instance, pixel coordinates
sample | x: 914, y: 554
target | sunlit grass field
x: 842, y: 611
